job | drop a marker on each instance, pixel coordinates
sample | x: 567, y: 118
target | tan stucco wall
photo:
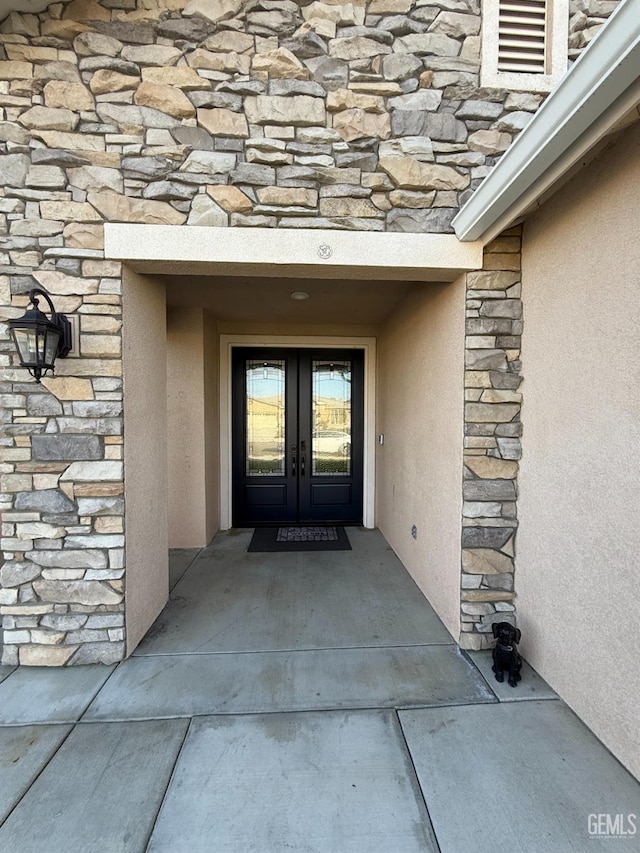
x: 186, y: 428
x: 211, y: 425
x: 577, y: 552
x: 145, y: 452
x: 419, y: 467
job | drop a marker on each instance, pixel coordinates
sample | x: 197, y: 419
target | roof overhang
x: 600, y: 92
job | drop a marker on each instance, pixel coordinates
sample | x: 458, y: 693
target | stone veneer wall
x: 361, y: 115
x: 585, y: 19
x: 62, y: 481
x: 492, y: 443
x: 266, y: 112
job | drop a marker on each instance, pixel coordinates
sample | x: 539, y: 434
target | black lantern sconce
x: 38, y: 339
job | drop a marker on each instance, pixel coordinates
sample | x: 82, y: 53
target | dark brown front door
x: 298, y: 426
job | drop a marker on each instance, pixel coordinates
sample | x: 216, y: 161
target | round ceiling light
x: 299, y: 295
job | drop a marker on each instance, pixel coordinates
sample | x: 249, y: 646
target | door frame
x: 367, y: 344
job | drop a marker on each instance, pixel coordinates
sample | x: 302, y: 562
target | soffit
x: 260, y: 299
x: 600, y: 149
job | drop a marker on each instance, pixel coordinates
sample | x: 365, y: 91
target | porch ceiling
x: 258, y: 299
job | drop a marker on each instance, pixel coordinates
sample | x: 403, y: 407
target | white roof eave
x: 601, y: 87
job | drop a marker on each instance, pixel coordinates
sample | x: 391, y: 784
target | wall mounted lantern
x: 38, y: 339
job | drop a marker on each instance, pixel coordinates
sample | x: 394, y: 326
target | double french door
x: 297, y: 438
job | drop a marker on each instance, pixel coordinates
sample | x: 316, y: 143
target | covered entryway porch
x: 402, y: 312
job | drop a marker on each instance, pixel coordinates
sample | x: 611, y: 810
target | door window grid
x: 331, y: 418
x: 265, y: 421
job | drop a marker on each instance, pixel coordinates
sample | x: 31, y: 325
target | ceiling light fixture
x: 299, y: 295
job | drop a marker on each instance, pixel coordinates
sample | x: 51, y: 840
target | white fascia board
x: 290, y: 252
x: 599, y: 89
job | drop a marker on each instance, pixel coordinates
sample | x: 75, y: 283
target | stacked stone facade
x: 239, y: 113
x: 62, y: 596
x: 361, y: 116
x: 492, y: 443
x: 585, y: 19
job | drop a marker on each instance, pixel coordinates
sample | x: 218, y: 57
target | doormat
x: 311, y: 538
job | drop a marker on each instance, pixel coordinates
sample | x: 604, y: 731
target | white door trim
x: 228, y: 342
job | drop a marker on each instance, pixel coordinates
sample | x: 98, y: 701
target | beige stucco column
x: 192, y: 427
x: 145, y: 453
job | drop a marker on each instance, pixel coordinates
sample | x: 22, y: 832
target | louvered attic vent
x: 522, y: 31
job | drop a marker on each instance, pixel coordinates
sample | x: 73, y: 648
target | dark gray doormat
x: 300, y: 538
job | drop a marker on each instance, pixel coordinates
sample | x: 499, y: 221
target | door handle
x: 302, y: 466
x: 294, y: 451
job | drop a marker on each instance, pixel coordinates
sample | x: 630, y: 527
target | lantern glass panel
x: 30, y: 343
x: 51, y: 346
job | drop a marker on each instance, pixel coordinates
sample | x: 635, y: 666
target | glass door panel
x: 331, y: 418
x: 265, y: 387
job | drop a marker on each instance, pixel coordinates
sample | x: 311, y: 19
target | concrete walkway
x: 299, y: 702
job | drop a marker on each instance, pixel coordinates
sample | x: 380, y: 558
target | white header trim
x: 290, y: 252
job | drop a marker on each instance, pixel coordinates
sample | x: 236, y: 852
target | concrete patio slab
x: 516, y: 776
x: 334, y: 782
x: 532, y: 685
x: 5, y: 672
x: 182, y: 685
x: 101, y: 792
x: 232, y: 601
x: 49, y: 695
x: 24, y: 751
x: 179, y: 561
x: 305, y: 752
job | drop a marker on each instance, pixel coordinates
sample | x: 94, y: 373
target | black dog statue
x: 505, y: 654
